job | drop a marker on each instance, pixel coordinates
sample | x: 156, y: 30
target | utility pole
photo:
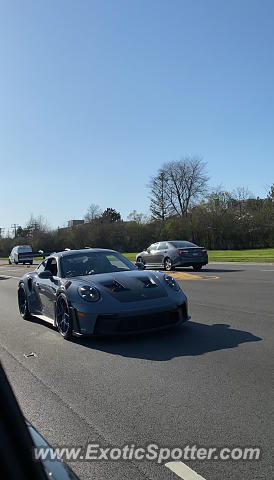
x: 34, y: 227
x: 14, y: 226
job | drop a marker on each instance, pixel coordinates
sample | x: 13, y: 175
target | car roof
x: 66, y: 253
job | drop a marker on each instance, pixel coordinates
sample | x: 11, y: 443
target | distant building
x: 73, y: 223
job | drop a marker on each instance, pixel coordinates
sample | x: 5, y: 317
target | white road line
x: 183, y: 471
x: 269, y: 270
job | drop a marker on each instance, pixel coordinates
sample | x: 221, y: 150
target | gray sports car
x: 100, y: 292
x: 172, y: 254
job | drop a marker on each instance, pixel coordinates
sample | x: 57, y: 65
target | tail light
x: 204, y: 250
x: 182, y: 252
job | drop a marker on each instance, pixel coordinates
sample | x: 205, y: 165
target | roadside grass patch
x: 256, y: 255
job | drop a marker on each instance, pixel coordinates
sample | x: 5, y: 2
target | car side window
x: 163, y: 246
x: 41, y: 267
x: 51, y: 265
x: 152, y: 248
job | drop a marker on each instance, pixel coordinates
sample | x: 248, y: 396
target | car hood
x: 129, y: 286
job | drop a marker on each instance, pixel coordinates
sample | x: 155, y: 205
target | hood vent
x: 114, y: 286
x: 147, y: 282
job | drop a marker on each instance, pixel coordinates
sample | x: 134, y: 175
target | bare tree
x: 139, y: 218
x: 36, y: 224
x: 93, y: 212
x: 270, y: 195
x: 241, y: 195
x: 177, y: 186
x: 160, y: 205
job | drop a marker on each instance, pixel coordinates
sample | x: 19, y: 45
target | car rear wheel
x: 63, y: 317
x: 9, y: 262
x: 197, y: 268
x: 23, y: 302
x: 31, y: 262
x: 168, y: 264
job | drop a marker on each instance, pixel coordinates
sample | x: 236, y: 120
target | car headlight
x: 172, y: 283
x: 88, y: 293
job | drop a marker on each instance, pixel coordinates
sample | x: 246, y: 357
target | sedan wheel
x: 63, y: 318
x: 23, y: 302
x: 168, y: 264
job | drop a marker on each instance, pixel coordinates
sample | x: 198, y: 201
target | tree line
x: 182, y: 206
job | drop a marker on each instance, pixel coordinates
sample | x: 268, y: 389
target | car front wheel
x: 63, y: 317
x: 168, y: 264
x: 23, y: 302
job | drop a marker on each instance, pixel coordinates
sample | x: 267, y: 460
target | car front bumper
x: 131, y: 322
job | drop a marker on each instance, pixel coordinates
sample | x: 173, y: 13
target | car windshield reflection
x: 94, y: 263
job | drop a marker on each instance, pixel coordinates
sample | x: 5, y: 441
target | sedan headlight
x: 172, y: 283
x: 88, y: 293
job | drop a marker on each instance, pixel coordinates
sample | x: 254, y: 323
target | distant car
x: 172, y: 254
x: 17, y: 257
x: 100, y: 292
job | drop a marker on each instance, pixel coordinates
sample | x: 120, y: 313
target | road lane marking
x: 189, y: 276
x: 183, y: 471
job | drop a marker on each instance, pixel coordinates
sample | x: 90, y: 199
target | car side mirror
x: 140, y: 265
x: 46, y: 274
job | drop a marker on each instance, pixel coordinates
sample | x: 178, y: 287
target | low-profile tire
x: 23, y: 302
x: 16, y: 263
x: 168, y: 264
x: 139, y: 259
x: 197, y: 268
x: 63, y: 318
x: 9, y: 262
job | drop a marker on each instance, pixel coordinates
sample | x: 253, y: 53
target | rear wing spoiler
x: 30, y: 255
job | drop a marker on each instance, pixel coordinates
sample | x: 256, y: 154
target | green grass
x: 36, y: 258
x: 256, y: 255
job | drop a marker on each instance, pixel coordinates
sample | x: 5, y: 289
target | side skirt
x: 45, y: 318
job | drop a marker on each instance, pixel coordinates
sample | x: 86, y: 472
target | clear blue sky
x: 96, y: 94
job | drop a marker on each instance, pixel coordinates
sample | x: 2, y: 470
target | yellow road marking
x: 189, y: 276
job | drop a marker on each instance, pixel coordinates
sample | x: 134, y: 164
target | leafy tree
x: 160, y: 204
x: 110, y: 215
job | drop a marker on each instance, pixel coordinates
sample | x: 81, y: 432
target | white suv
x: 15, y: 255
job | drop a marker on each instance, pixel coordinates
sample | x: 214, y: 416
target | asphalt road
x: 208, y: 383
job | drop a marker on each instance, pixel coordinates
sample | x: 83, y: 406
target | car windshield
x: 93, y: 263
x: 183, y: 244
